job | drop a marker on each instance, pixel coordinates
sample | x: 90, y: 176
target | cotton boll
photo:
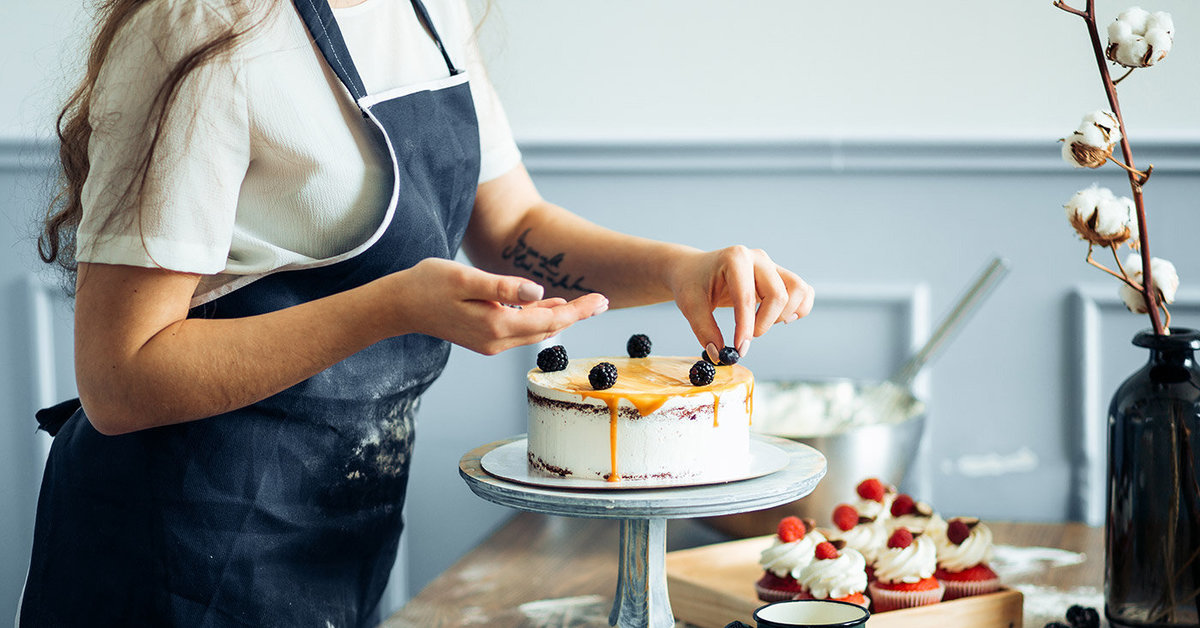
x: 1100, y: 217
x: 1119, y: 31
x: 1160, y: 21
x: 1160, y: 42
x: 1164, y: 276
x: 1106, y: 121
x: 1136, y: 18
x: 1138, y: 39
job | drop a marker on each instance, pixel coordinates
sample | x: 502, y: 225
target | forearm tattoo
x: 542, y: 266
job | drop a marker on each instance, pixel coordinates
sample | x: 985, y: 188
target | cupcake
x: 794, y: 547
x: 904, y: 573
x: 962, y: 555
x: 836, y: 573
x: 914, y: 515
x: 864, y: 534
x: 874, y: 499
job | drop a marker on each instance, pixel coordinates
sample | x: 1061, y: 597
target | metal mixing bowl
x: 878, y: 441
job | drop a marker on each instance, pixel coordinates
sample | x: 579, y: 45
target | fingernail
x: 792, y: 317
x: 744, y: 348
x: 713, y: 354
x: 601, y: 309
x: 529, y: 292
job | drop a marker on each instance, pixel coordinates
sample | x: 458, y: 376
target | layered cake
x: 631, y: 418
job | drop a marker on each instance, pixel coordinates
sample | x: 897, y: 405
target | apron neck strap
x: 423, y: 15
x: 318, y: 17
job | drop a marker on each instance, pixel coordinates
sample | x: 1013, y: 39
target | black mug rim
x: 846, y: 624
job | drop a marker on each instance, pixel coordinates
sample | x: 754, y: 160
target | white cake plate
x: 641, y: 598
x: 510, y: 462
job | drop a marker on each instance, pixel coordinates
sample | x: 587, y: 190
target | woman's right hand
x: 470, y: 307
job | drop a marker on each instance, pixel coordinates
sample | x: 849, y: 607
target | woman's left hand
x: 760, y: 292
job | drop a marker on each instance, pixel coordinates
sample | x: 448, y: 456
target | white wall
x: 768, y: 68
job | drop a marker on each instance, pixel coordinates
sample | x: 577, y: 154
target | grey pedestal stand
x: 641, y: 598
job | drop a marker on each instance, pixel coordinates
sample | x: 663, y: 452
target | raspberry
x: 702, y: 373
x: 1083, y: 617
x: 957, y: 531
x: 845, y: 517
x: 826, y: 551
x: 900, y: 539
x: 603, y: 375
x: 791, y: 529
x: 638, y: 346
x: 872, y: 489
x: 903, y: 505
x: 552, y: 359
x: 728, y: 356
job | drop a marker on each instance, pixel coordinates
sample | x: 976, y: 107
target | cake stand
x: 641, y: 598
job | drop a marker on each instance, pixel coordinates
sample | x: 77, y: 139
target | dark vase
x: 1152, y: 536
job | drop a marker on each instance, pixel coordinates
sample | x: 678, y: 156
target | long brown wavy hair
x: 56, y: 242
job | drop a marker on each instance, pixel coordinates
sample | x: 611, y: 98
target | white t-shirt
x: 265, y: 162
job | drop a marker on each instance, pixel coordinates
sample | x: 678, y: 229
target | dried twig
x: 1135, y: 180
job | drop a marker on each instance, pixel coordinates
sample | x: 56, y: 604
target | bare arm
x: 140, y: 362
x: 515, y: 230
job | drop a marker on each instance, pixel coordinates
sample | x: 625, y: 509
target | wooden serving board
x: 713, y: 585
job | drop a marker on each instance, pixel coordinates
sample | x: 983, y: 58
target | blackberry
x: 729, y: 356
x: 638, y: 346
x: 602, y: 376
x: 704, y: 357
x: 552, y: 359
x: 1056, y: 624
x: 1083, y: 617
x: 702, y: 373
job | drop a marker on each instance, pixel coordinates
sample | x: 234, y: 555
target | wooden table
x: 539, y: 557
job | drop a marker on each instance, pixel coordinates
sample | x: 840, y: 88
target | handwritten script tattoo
x: 541, y: 265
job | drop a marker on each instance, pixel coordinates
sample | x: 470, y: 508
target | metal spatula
x: 890, y: 400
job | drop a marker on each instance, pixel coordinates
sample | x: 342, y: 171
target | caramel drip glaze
x: 647, y: 384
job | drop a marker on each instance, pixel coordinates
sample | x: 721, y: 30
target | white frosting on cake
x: 653, y: 423
x: 975, y: 549
x: 868, y: 538
x: 835, y: 577
x: 790, y: 558
x: 910, y: 564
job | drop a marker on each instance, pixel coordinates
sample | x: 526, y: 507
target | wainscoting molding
x: 1091, y: 393
x: 43, y: 300
x: 787, y: 155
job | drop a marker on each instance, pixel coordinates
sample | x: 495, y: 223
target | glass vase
x: 1152, y: 532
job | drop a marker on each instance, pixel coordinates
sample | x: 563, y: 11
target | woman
x: 268, y: 202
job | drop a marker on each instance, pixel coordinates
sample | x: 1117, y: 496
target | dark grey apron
x: 286, y: 512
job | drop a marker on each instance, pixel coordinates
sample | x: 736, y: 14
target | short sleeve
x: 498, y: 150
x: 183, y: 218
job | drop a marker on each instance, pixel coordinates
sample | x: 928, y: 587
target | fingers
x: 537, y: 322
x: 485, y: 286
x: 772, y: 292
x: 704, y: 326
x: 800, y: 297
x: 739, y: 279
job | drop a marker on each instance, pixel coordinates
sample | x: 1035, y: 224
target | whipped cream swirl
x: 909, y: 564
x: 788, y: 559
x: 975, y: 549
x: 932, y: 524
x: 868, y: 538
x: 875, y: 510
x: 836, y: 577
